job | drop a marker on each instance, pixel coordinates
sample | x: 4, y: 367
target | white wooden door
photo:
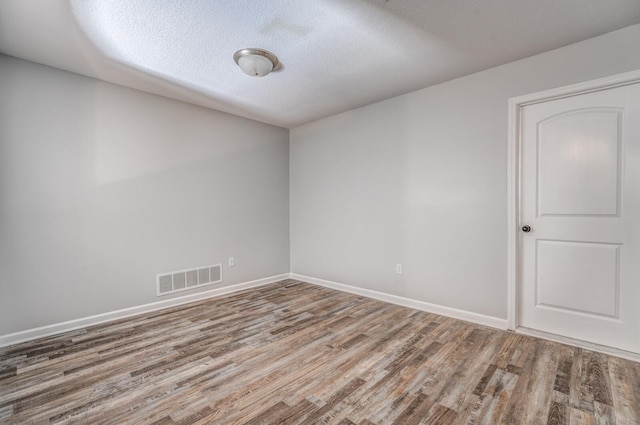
x: 580, y: 195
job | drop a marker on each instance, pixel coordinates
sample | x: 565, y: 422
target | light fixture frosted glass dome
x: 255, y: 62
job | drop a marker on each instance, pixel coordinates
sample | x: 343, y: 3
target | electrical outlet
x: 232, y: 261
x: 398, y: 268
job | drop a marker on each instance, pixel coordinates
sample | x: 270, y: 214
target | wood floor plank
x: 294, y: 353
x: 624, y: 380
x: 579, y: 417
x: 557, y: 414
x: 494, y: 399
x: 542, y: 380
x: 415, y: 411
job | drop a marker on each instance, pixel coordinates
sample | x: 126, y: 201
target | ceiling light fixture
x: 256, y: 62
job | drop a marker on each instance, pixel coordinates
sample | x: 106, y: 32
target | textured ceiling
x: 336, y: 54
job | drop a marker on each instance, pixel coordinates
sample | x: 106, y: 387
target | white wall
x: 421, y: 179
x: 102, y: 187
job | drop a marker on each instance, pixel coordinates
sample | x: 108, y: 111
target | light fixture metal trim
x: 250, y: 51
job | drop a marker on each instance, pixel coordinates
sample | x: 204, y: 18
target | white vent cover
x: 181, y: 280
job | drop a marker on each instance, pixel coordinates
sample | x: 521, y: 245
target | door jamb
x: 514, y: 165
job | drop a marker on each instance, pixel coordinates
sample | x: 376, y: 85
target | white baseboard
x: 494, y: 322
x: 580, y: 344
x: 44, y: 331
x: 31, y: 334
x: 468, y: 316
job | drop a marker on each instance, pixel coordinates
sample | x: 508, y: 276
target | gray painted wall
x: 102, y: 187
x: 421, y: 180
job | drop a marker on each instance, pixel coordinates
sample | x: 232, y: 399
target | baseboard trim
x: 481, y: 319
x: 57, y: 328
x: 468, y: 316
x: 580, y: 344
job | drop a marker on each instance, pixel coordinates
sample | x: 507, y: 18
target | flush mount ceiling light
x: 256, y: 62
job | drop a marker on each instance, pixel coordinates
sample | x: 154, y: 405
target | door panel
x: 580, y: 193
x: 578, y: 157
x: 578, y: 276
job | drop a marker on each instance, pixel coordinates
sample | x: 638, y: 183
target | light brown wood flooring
x: 294, y: 353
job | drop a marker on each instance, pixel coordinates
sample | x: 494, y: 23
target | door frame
x: 514, y: 169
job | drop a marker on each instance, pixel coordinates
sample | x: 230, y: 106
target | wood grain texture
x: 294, y: 353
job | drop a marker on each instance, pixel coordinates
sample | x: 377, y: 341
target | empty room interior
x: 321, y: 212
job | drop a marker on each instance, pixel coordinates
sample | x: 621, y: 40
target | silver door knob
x: 526, y: 228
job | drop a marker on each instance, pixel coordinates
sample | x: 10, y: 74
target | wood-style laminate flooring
x: 294, y: 353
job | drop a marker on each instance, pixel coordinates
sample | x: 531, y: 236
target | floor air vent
x: 167, y: 283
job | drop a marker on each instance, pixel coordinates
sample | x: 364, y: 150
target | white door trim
x: 514, y: 162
